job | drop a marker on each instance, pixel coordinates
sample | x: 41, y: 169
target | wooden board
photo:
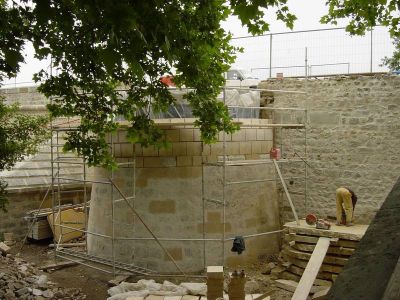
x: 312, y: 269
x: 71, y: 218
x: 353, y: 233
x: 314, y: 240
x: 321, y: 275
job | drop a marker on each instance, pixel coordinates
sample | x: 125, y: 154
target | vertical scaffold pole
x: 223, y: 188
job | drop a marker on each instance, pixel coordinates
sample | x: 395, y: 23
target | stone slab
x: 353, y: 233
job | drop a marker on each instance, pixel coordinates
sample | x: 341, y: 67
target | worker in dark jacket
x: 346, y: 201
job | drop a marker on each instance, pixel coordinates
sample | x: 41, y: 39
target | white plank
x: 312, y: 269
x: 278, y: 170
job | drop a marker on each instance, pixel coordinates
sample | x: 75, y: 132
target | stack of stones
x: 236, y: 285
x: 215, y: 282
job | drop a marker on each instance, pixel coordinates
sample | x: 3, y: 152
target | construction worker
x: 346, y: 201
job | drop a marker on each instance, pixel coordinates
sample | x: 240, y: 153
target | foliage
x: 364, y: 14
x: 20, y: 135
x: 100, y: 46
x: 393, y: 63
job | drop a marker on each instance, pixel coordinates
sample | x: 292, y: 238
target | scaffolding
x: 111, y: 265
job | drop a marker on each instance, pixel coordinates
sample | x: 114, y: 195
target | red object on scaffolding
x: 168, y: 80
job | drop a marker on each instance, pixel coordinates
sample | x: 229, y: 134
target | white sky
x: 289, y: 50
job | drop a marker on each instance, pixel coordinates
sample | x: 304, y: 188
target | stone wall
x: 353, y: 140
x: 22, y: 201
x: 25, y: 96
x: 168, y: 189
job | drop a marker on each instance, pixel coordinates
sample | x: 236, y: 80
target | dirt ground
x: 94, y: 283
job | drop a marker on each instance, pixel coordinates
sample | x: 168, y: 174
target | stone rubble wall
x: 352, y: 138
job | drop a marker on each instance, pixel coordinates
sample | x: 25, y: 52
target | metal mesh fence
x: 315, y: 52
x: 302, y: 53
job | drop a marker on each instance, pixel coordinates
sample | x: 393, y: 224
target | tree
x: 365, y: 14
x: 20, y: 136
x: 101, y: 45
x: 393, y: 63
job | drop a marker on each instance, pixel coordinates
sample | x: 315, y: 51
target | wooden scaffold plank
x: 312, y: 269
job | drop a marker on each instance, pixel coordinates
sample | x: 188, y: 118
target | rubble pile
x: 22, y: 280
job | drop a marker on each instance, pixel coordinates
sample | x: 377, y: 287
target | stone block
x: 150, y: 151
x: 156, y: 162
x: 186, y: 135
x: 196, y: 135
x: 193, y: 148
x: 239, y: 136
x: 215, y: 272
x: 213, y: 216
x: 179, y: 149
x: 197, y: 160
x: 176, y: 253
x: 260, y: 136
x: 165, y: 151
x: 4, y: 249
x: 172, y: 135
x: 245, y: 148
x: 233, y: 148
x: 251, y: 134
x: 256, y: 147
x: 217, y: 148
x: 162, y: 207
x: 184, y: 161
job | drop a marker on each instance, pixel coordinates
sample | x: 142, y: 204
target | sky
x: 328, y: 52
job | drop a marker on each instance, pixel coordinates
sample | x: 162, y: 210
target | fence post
x: 270, y: 55
x: 305, y: 64
x: 370, y: 65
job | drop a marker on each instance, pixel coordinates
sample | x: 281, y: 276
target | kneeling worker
x: 346, y: 201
